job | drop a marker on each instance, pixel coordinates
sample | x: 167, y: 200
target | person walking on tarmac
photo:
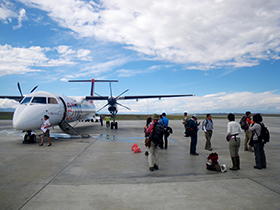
x: 46, y: 131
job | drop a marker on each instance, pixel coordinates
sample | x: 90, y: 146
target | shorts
x: 47, y: 133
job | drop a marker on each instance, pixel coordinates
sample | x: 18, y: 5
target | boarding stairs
x: 67, y: 128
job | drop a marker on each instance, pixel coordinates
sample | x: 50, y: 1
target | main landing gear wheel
x: 114, y: 125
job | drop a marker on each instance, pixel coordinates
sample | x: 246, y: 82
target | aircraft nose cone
x: 24, y: 119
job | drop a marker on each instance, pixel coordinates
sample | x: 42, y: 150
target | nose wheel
x: 29, y: 138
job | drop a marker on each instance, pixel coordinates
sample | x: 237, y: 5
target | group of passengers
x: 252, y: 131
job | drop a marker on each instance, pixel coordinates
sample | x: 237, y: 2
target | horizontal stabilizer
x: 86, y: 80
x: 136, y: 97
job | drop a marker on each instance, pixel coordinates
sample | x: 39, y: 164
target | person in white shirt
x: 233, y: 131
x: 208, y: 127
x: 46, y: 131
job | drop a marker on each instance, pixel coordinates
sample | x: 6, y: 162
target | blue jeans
x: 193, y: 143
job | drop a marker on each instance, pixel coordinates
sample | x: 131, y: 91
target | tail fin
x: 92, y: 83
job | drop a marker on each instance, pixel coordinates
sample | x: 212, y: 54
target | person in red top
x: 248, y: 134
x: 153, y: 150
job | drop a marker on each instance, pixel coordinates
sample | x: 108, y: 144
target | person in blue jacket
x: 165, y: 121
x: 194, y: 127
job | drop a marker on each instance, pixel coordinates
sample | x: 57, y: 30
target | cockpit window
x: 39, y: 100
x: 52, y: 101
x: 26, y: 100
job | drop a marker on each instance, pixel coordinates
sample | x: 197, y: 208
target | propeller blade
x: 102, y: 107
x: 122, y: 93
x: 19, y: 89
x: 123, y: 106
x: 33, y: 89
x: 98, y: 94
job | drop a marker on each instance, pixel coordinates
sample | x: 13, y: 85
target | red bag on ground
x: 134, y: 146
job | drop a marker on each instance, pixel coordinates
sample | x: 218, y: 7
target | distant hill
x: 7, y: 109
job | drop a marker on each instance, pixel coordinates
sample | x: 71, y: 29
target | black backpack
x: 264, y: 137
x: 243, y: 123
x: 188, y: 131
x: 157, y: 133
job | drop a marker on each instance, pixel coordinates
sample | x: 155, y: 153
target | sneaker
x: 151, y: 169
x: 155, y: 167
x: 195, y: 154
x: 256, y: 167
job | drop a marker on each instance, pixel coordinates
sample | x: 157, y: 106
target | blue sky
x: 224, y: 52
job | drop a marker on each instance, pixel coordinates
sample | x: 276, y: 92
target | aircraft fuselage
x: 31, y: 110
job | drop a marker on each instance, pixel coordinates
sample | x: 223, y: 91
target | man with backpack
x: 245, y: 123
x: 208, y: 127
x: 156, y: 131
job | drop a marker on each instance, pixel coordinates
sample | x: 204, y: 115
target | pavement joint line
x: 58, y: 174
x: 264, y: 186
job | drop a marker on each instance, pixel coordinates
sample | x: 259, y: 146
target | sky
x: 227, y: 53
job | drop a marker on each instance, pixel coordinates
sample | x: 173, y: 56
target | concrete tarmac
x: 101, y: 172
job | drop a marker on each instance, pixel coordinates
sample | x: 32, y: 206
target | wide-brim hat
x: 155, y: 117
x: 194, y: 116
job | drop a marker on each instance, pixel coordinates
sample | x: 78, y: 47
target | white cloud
x: 209, y: 34
x: 6, y: 103
x: 21, y: 17
x: 15, y: 60
x: 97, y: 69
x: 6, y: 12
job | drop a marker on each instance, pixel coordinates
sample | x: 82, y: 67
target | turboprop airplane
x: 63, y: 110
x: 112, y: 100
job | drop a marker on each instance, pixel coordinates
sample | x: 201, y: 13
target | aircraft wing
x: 136, y: 97
x: 16, y: 98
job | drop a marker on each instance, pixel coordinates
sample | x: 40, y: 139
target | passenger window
x: 26, y: 100
x: 39, y: 100
x: 52, y: 101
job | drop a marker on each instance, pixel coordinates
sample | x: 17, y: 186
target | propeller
x: 113, y: 100
x: 19, y: 89
x: 33, y: 89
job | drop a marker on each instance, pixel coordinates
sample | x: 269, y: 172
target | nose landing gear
x: 29, y: 138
